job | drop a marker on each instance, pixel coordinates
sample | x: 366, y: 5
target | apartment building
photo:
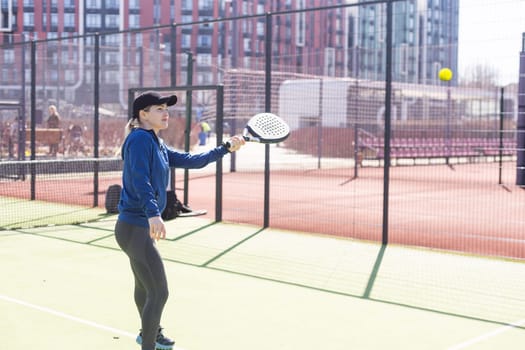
x: 335, y: 40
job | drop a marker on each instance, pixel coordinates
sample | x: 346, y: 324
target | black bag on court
x: 170, y: 212
x: 112, y: 198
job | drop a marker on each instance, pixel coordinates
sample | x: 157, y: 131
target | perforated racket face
x: 268, y: 127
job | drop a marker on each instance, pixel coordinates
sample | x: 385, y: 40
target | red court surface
x: 460, y: 208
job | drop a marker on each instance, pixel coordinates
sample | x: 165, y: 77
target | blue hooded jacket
x: 145, y: 175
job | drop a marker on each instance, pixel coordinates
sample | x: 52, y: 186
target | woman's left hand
x: 157, y: 230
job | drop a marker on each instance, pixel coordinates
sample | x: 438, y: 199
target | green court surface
x: 20, y: 213
x: 240, y: 287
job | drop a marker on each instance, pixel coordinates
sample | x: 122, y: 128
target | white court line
x: 68, y: 317
x: 73, y: 318
x: 486, y: 336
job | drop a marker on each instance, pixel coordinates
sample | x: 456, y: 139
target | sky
x: 490, y: 34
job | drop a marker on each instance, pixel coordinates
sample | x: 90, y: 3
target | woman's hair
x: 133, y: 123
x: 52, y: 109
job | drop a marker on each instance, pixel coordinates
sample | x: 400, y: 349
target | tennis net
x: 55, y: 192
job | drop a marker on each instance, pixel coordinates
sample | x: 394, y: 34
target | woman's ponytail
x: 133, y: 123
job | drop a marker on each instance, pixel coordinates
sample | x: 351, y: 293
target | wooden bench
x: 45, y: 136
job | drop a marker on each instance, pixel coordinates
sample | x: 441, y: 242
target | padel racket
x: 266, y: 128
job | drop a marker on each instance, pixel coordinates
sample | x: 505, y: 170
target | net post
x: 33, y: 111
x: 388, y: 119
x: 96, y: 116
x: 268, y: 106
x: 501, y: 126
x: 520, y: 125
x: 219, y: 129
x: 187, y: 130
x: 173, y: 54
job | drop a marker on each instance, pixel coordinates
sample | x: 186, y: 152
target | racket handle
x: 227, y: 144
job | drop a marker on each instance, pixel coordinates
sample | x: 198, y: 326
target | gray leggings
x: 151, y: 287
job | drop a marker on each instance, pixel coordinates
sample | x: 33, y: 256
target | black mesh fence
x: 371, y: 125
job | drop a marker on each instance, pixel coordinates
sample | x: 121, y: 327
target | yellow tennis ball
x: 445, y: 74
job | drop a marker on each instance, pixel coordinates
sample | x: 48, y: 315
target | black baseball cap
x: 151, y: 98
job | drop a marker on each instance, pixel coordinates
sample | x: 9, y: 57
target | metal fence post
x: 388, y: 101
x: 267, y: 108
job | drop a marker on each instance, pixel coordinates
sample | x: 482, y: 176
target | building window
x: 204, y: 78
x: 69, y: 4
x: 185, y: 41
x: 112, y: 21
x: 93, y: 20
x: 206, y: 4
x: 112, y: 4
x: 9, y: 56
x: 133, y: 77
x: 134, y: 21
x: 204, y: 60
x: 5, y: 74
x: 156, y: 13
x: 69, y: 20
x: 247, y: 44
x: 134, y: 4
x: 246, y: 8
x: 187, y: 4
x: 300, y: 27
x: 53, y: 75
x: 112, y: 58
x: 29, y: 19
x: 204, y: 41
x: 112, y: 40
x: 93, y: 4
x: 139, y: 40
x: 54, y: 20
x: 65, y: 57
x: 69, y: 76
x: 404, y: 58
x: 205, y: 24
x: 88, y: 57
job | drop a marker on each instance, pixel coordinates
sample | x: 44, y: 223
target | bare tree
x: 480, y: 75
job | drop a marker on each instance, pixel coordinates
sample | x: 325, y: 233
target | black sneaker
x: 162, y: 342
x: 182, y: 208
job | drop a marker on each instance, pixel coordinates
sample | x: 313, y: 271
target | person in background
x: 53, y: 122
x: 13, y: 138
x: 204, y: 134
x: 145, y: 175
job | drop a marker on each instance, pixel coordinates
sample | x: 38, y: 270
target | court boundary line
x: 266, y: 278
x: 73, y: 318
x: 67, y: 316
x: 467, y: 343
